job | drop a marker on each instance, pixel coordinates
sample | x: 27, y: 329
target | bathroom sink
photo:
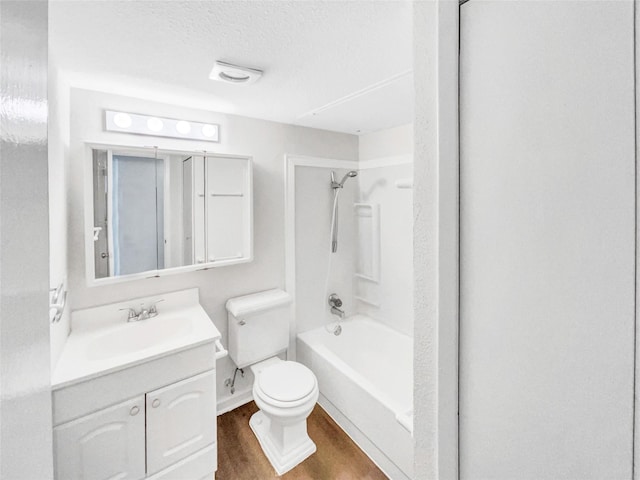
x: 138, y: 337
x: 103, y: 341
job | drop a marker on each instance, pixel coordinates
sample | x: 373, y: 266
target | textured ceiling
x: 338, y: 65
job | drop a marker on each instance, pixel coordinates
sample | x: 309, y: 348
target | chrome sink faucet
x: 144, y: 313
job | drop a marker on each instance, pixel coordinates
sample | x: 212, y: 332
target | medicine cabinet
x: 151, y: 212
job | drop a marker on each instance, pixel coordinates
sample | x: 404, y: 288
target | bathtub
x: 366, y: 384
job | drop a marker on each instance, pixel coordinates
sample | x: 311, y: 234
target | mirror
x: 156, y: 210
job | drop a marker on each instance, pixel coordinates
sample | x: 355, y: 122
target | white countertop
x: 102, y: 341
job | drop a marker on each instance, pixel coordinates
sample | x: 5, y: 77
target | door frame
x: 436, y: 243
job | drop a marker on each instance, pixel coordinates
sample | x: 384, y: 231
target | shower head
x: 340, y: 184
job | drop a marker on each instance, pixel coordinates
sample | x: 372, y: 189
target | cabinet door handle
x: 155, y: 403
x: 134, y: 410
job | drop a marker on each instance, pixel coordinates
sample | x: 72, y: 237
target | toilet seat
x: 286, y: 384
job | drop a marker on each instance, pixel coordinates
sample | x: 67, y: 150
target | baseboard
x: 234, y: 401
x: 376, y: 455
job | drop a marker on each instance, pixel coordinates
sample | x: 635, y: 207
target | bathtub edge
x: 377, y: 456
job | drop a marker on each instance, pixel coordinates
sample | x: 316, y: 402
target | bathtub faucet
x: 336, y: 303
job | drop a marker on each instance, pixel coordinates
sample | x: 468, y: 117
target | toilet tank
x: 258, y: 326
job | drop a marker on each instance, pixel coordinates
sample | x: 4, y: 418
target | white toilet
x: 285, y: 391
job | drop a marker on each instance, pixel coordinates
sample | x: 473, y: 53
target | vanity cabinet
x: 104, y: 444
x: 181, y: 419
x: 166, y: 430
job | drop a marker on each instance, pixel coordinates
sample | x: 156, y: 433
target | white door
x: 108, y: 444
x: 138, y: 204
x: 181, y: 419
x: 547, y: 240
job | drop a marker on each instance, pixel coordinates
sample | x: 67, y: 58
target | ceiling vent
x: 226, y: 72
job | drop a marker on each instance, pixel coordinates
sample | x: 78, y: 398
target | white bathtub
x: 366, y: 381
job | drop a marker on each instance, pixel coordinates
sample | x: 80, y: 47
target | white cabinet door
x: 228, y: 209
x: 108, y: 444
x: 181, y: 419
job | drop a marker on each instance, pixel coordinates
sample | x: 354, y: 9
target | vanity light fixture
x: 160, y: 126
x: 227, y: 72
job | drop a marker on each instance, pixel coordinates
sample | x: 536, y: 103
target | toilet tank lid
x: 257, y: 302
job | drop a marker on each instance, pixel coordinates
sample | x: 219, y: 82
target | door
x: 547, y: 232
x: 181, y: 419
x: 101, y: 213
x: 138, y: 204
x: 104, y: 445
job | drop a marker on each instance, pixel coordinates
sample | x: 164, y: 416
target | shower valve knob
x: 335, y: 301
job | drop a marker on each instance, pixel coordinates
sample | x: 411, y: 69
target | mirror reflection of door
x: 138, y: 230
x: 187, y: 218
x: 101, y: 224
x: 193, y: 210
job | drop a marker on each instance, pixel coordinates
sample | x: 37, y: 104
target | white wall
x: 392, y: 142
x: 386, y: 156
x: 266, y: 141
x: 25, y: 394
x: 547, y: 240
x: 314, y: 261
x: 59, y: 97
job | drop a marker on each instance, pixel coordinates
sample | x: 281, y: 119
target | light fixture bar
x: 160, y: 126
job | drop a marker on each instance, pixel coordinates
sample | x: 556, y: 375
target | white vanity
x: 135, y: 398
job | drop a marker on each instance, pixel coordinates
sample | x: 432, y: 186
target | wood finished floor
x: 337, y: 457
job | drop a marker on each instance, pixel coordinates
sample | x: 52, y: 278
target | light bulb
x: 122, y: 120
x: 154, y: 124
x: 183, y: 127
x: 208, y: 130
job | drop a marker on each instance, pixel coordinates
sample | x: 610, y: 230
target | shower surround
x: 367, y: 367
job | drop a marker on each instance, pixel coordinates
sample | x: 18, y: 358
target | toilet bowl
x: 285, y: 392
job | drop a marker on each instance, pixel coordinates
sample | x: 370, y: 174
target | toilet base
x: 281, y: 462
